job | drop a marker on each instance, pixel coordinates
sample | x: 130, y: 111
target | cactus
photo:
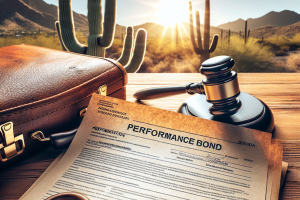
x: 101, y: 34
x: 205, y: 50
x: 229, y: 37
x: 221, y: 34
x: 57, y: 27
x: 246, y: 35
x: 245, y: 31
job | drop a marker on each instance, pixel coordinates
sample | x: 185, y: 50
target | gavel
x: 218, y: 97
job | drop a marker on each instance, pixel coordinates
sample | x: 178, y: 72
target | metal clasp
x: 39, y: 135
x: 8, y: 147
x: 102, y: 90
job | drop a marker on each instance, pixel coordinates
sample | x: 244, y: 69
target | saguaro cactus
x: 246, y: 32
x: 205, y: 50
x: 101, y: 33
x: 221, y: 34
x: 229, y: 37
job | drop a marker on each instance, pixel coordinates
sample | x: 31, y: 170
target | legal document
x: 125, y: 150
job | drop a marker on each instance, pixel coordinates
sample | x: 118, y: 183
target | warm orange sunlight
x: 172, y: 12
x: 169, y: 13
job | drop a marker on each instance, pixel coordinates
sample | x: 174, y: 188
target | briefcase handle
x: 62, y: 140
x: 58, y: 141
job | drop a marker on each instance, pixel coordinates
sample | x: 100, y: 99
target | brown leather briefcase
x: 46, y: 91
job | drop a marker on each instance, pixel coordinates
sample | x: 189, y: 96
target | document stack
x: 125, y: 150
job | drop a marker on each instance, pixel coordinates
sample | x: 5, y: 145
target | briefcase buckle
x: 10, y: 146
x: 102, y: 90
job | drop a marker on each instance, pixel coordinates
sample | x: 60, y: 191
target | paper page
x: 124, y: 150
x: 271, y: 171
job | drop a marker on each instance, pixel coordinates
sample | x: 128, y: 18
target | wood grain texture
x: 281, y: 92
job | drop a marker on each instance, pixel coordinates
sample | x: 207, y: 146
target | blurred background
x: 269, y: 43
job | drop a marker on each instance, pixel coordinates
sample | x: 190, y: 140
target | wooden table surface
x: 281, y: 92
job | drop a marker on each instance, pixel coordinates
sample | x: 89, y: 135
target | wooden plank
x: 281, y: 92
x: 16, y: 180
x: 15, y: 188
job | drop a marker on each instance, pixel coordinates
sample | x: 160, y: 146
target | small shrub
x: 283, y: 43
x: 81, y: 38
x: 115, y: 50
x: 39, y: 40
x: 251, y: 57
x: 163, y: 56
x: 293, y: 62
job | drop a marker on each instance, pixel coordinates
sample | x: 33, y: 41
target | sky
x: 136, y: 12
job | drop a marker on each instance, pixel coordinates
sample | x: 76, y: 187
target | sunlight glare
x: 172, y: 12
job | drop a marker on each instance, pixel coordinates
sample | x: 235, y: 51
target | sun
x: 172, y: 12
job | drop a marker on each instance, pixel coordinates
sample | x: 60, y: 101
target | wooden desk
x: 280, y: 91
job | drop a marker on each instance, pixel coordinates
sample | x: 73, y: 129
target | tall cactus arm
x: 197, y: 50
x: 127, y: 47
x: 95, y: 19
x: 199, y: 38
x: 106, y: 39
x: 213, y: 45
x: 207, y: 25
x: 67, y: 31
x: 57, y: 27
x: 139, y: 52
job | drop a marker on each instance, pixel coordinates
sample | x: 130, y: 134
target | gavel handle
x: 160, y: 92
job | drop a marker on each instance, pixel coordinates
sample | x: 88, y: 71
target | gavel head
x: 221, y: 85
x: 224, y: 102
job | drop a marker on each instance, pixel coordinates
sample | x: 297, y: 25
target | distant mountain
x: 156, y: 30
x: 270, y: 31
x: 153, y: 29
x: 32, y: 14
x: 278, y: 19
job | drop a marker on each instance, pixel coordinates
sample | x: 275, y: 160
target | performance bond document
x: 125, y: 150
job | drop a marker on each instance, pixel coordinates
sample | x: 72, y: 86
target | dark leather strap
x: 62, y: 140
